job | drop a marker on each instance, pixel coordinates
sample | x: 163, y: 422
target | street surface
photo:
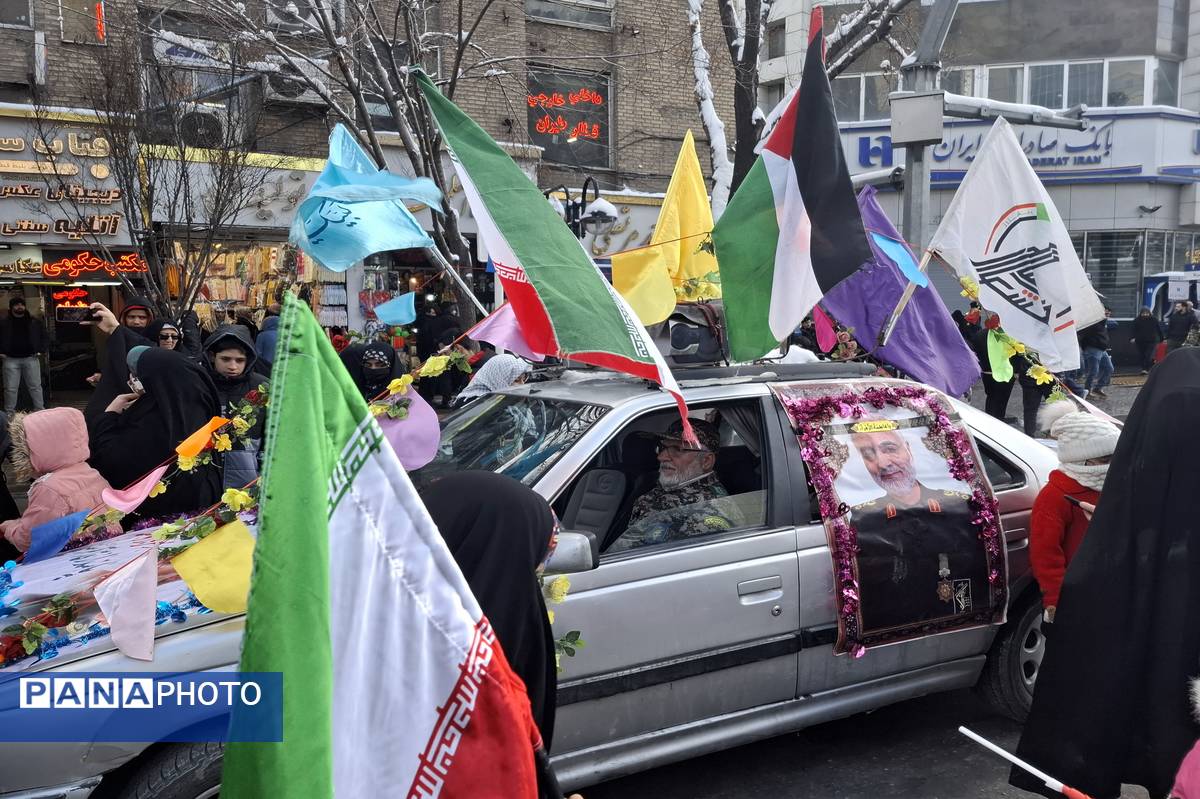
x: 910, y: 750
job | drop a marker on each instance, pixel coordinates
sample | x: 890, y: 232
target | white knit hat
x: 1082, y: 436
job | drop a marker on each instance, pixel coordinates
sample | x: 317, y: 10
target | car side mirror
x: 576, y: 552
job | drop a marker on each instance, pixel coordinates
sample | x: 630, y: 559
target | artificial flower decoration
x: 159, y: 488
x: 222, y: 443
x: 556, y: 589
x: 186, y: 462
x: 240, y: 425
x: 400, y: 385
x: 434, y: 366
x: 550, y: 614
x: 378, y: 409
x: 236, y: 500
x: 992, y: 322
x: 970, y: 288
x: 972, y: 316
x: 1040, y: 374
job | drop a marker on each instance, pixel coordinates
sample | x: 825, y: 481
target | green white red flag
x: 562, y: 302
x: 793, y: 230
x: 393, y: 681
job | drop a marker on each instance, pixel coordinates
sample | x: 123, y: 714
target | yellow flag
x: 217, y: 569
x: 647, y: 277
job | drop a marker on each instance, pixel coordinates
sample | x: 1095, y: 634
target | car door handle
x: 760, y: 585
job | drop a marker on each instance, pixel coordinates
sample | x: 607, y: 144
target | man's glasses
x: 168, y: 336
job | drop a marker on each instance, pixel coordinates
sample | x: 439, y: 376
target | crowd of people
x: 160, y: 381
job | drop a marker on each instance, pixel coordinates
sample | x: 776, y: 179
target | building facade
x: 1127, y: 185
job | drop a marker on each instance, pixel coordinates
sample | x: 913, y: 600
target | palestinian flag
x: 393, y: 681
x: 562, y: 302
x: 792, y: 231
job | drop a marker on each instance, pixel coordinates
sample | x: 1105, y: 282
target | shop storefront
x: 64, y: 238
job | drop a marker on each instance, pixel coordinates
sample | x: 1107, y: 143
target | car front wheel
x: 177, y: 771
x: 1016, y: 657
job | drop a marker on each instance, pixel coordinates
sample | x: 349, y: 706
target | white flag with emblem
x: 1002, y: 231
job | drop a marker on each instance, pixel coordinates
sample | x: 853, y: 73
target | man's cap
x: 706, y: 433
x: 15, y: 301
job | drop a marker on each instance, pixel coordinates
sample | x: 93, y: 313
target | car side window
x: 648, y: 491
x: 1003, y: 475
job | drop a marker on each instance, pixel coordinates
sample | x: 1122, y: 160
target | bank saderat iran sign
x: 1116, y: 145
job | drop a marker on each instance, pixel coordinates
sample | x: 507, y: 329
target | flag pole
x: 889, y: 326
x: 456, y: 277
x: 1046, y: 779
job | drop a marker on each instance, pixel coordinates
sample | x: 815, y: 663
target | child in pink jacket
x: 51, y: 448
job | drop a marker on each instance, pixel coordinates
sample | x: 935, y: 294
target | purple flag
x: 926, y: 343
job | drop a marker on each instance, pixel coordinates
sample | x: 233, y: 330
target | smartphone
x: 69, y: 313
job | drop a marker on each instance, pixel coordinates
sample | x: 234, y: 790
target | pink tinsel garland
x: 810, y: 414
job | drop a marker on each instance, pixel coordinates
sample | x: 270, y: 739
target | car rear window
x: 519, y: 436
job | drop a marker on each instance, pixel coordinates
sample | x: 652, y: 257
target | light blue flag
x: 47, y: 540
x: 356, y: 209
x: 902, y: 257
x: 400, y: 310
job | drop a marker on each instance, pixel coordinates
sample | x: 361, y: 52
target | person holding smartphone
x: 22, y: 341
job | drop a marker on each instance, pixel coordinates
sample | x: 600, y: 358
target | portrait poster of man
x: 921, y: 565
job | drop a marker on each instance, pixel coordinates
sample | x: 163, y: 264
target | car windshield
x: 520, y: 436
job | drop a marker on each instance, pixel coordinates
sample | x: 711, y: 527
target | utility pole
x: 920, y: 72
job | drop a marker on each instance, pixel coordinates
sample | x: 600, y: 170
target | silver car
x: 691, y: 646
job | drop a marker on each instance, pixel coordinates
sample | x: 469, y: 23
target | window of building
x: 377, y: 107
x: 83, y: 21
x: 777, y: 39
x: 1046, y: 83
x: 1166, y: 83
x: 1181, y: 254
x: 1127, y: 82
x: 1006, y: 84
x: 847, y: 98
x: 1156, y: 247
x: 16, y: 13
x: 876, y: 89
x: 1085, y: 83
x: 15, y: 93
x: 959, y: 81
x: 772, y: 95
x: 582, y: 13
x: 568, y: 115
x: 1113, y: 262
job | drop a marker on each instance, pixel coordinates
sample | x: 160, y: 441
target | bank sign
x: 1116, y: 145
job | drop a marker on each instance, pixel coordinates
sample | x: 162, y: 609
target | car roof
x: 603, y: 387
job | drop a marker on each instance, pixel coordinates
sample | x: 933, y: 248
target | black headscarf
x: 114, y: 373
x: 157, y: 326
x: 179, y: 399
x: 499, y: 533
x: 1111, y: 704
x: 354, y: 358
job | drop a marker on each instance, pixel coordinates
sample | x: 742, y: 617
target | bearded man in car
x: 684, y: 503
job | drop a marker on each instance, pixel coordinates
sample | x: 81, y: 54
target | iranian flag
x: 562, y: 302
x: 792, y: 231
x: 394, y: 683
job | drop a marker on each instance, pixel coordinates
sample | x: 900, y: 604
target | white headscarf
x: 500, y: 372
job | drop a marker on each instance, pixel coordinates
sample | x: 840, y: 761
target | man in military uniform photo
x: 686, y: 501
x: 918, y: 554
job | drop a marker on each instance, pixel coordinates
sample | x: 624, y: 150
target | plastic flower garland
x: 555, y: 592
x: 809, y: 415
